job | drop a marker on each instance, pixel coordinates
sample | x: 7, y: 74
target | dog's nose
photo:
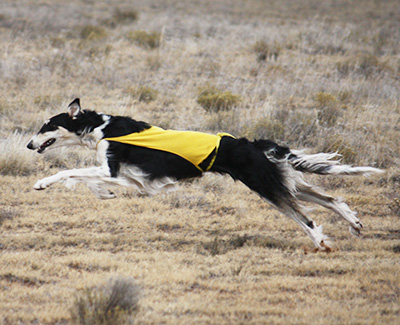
x: 30, y: 145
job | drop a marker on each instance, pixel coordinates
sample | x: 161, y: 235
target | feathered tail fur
x: 322, y: 163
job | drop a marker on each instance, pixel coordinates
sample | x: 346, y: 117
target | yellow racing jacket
x: 193, y: 146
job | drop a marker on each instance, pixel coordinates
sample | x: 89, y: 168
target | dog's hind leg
x: 308, y: 193
x: 271, y: 178
x: 296, y: 213
x: 287, y: 203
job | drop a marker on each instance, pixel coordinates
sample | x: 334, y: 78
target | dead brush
x: 337, y: 143
x: 143, y: 93
x: 213, y: 99
x: 93, y: 33
x: 265, y: 51
x: 121, y: 17
x: 113, y: 303
x: 329, y: 109
x: 125, y: 16
x: 219, y: 246
x: 147, y: 40
x: 266, y: 128
x: 394, y: 206
x: 363, y: 64
x: 7, y: 214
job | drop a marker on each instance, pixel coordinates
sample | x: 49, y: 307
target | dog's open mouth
x: 46, y: 144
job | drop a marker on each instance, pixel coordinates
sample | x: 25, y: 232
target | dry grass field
x: 322, y: 75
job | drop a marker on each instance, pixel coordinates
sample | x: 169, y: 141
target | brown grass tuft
x: 15, y: 160
x: 395, y: 206
x: 219, y: 246
x: 113, y: 303
x: 7, y: 214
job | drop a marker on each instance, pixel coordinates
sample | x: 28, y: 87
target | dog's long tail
x: 323, y: 164
x: 320, y: 163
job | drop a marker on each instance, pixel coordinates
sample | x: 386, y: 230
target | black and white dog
x: 272, y: 171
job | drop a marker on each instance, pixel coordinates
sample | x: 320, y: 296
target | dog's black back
x: 243, y: 160
x: 155, y: 163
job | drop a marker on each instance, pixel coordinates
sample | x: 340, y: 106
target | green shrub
x: 364, y: 64
x: 325, y: 99
x: 368, y: 64
x: 329, y: 110
x: 143, y: 93
x: 267, y: 128
x: 213, y: 100
x: 121, y: 17
x: 91, y: 32
x: 125, y: 16
x: 113, y: 303
x: 338, y: 144
x: 99, y: 49
x: 266, y: 51
x: 57, y: 41
x: 144, y: 39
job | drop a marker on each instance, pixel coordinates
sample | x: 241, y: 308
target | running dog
x: 134, y: 153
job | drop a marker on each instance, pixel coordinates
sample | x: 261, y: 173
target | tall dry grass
x: 322, y: 75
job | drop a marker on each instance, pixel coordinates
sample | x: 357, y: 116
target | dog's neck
x: 92, y: 138
x: 89, y: 140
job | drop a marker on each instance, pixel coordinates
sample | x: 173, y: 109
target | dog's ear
x: 74, y: 109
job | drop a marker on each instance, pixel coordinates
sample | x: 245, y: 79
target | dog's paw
x: 106, y: 195
x: 101, y: 192
x: 41, y: 185
x: 356, y: 229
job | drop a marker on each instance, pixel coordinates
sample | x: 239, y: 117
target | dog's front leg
x: 101, y: 192
x: 73, y: 176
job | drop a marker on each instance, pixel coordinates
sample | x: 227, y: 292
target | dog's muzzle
x: 30, y: 145
x: 42, y: 147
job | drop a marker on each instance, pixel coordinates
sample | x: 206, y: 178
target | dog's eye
x: 47, y: 127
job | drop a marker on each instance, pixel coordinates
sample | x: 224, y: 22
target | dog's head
x: 61, y: 130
